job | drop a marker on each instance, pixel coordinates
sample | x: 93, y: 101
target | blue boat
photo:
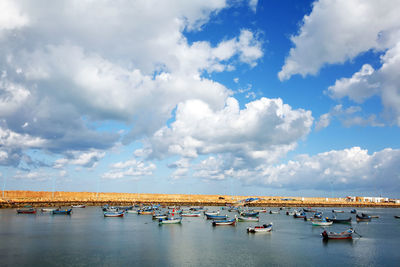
x: 216, y: 217
x: 62, y: 211
x: 249, y: 214
x: 224, y: 222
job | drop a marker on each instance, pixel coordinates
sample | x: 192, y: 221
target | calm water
x: 87, y: 238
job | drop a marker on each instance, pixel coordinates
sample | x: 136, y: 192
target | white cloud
x: 11, y: 16
x: 36, y: 175
x: 253, y: 5
x: 264, y: 131
x: 337, y: 31
x: 349, y: 169
x: 130, y: 168
x: 86, y: 159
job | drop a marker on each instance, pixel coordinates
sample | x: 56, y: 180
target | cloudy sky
x: 273, y: 97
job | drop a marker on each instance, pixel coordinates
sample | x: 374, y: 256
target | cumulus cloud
x: 337, y: 31
x: 130, y: 168
x: 86, y: 159
x: 264, y: 131
x: 349, y: 169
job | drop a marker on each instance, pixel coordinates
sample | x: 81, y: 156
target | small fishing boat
x: 300, y: 215
x: 290, y: 213
x: 274, y: 212
x: 323, y: 222
x: 170, y: 220
x: 211, y: 213
x: 266, y: 228
x: 62, y: 211
x: 159, y: 216
x: 224, y: 222
x: 142, y: 212
x: 363, y: 218
x: 191, y: 214
x: 132, y: 211
x: 397, y: 216
x: 261, y: 210
x: 114, y: 214
x: 78, y: 206
x: 335, y: 220
x: 216, y: 217
x: 249, y: 214
x: 247, y: 219
x: 46, y: 210
x: 338, y: 211
x: 354, y: 211
x: 348, y: 234
x: 26, y: 211
x: 372, y: 216
x: 308, y: 210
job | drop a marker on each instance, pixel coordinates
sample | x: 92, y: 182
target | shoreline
x: 16, y: 199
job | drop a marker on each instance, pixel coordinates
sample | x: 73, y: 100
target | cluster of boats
x: 174, y: 215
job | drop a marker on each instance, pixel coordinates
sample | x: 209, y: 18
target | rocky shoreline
x: 16, y: 199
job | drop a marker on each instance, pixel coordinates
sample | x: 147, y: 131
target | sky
x: 273, y: 97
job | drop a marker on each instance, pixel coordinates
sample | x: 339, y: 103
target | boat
x: 143, y: 212
x: 321, y: 223
x: 159, y: 216
x: 224, y: 222
x: 261, y: 210
x: 354, y: 211
x: 170, y: 220
x: 249, y: 213
x: 191, y: 214
x: 265, y: 228
x: 335, y: 220
x: 78, y: 206
x: 338, y: 211
x: 309, y: 210
x: 211, y: 213
x: 132, y: 211
x: 46, y: 210
x: 397, y: 216
x: 363, y: 218
x: 290, y: 213
x: 247, y: 219
x: 300, y: 215
x: 216, y: 217
x: 26, y: 211
x: 274, y: 212
x: 62, y: 211
x: 114, y: 214
x: 348, y: 234
x: 372, y: 216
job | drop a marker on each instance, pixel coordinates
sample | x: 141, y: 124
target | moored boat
x: 338, y: 211
x: 132, y: 211
x: 249, y: 213
x: 159, y: 216
x: 309, y: 209
x: 363, y: 218
x: 114, y: 214
x: 211, y: 213
x: 265, y: 228
x: 397, y: 216
x: 335, y: 220
x: 348, y: 234
x: 191, y: 214
x: 290, y: 213
x: 46, y: 210
x: 261, y: 210
x: 321, y: 223
x: 78, y: 206
x: 62, y: 211
x: 224, y: 222
x: 170, y: 220
x: 354, y: 211
x: 247, y: 219
x: 216, y: 217
x: 26, y: 211
x: 274, y: 212
x: 299, y: 215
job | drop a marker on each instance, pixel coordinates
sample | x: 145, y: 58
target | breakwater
x: 13, y: 199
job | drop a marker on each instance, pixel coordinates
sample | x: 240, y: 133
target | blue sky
x: 295, y: 98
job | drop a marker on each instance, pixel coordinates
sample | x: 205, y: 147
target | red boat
x: 348, y: 234
x: 26, y: 211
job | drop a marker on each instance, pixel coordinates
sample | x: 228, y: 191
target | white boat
x: 47, y: 209
x: 170, y: 220
x: 159, y: 216
x: 113, y: 214
x: 191, y: 214
x: 211, y: 213
x: 274, y: 212
x: 247, y: 219
x: 78, y: 206
x: 266, y: 228
x: 132, y: 211
x: 321, y: 223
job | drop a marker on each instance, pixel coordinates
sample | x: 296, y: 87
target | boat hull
x: 113, y: 214
x: 62, y: 212
x: 260, y: 229
x: 224, y: 223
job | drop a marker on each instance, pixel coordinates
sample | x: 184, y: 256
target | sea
x: 87, y: 238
